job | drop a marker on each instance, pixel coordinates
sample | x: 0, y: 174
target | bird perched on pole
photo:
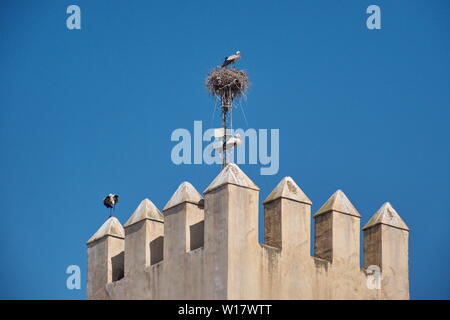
x: 231, y: 59
x: 110, y: 202
x: 232, y: 142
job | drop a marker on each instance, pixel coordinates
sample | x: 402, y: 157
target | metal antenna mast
x: 226, y: 107
x: 227, y: 84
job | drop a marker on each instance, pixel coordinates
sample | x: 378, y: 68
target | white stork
x: 231, y: 143
x: 110, y: 202
x: 231, y: 59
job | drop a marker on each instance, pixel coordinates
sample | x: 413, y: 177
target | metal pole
x: 224, y: 144
x: 226, y: 107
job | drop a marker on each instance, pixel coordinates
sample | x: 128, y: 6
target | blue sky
x: 87, y: 112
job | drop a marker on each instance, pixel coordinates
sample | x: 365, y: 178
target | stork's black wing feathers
x: 226, y: 62
x: 116, y: 198
x: 107, y: 202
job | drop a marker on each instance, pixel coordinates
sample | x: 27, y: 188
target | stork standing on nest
x: 110, y: 202
x: 231, y: 59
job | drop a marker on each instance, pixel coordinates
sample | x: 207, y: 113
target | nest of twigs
x: 227, y: 84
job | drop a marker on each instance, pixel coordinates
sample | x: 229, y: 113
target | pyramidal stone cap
x: 111, y: 227
x: 185, y: 193
x: 145, y: 210
x: 388, y: 216
x: 231, y: 174
x: 340, y: 203
x: 288, y: 189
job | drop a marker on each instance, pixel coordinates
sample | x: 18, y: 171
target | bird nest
x: 227, y: 84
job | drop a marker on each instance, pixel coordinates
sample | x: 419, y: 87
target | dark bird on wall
x: 231, y: 59
x: 110, y: 202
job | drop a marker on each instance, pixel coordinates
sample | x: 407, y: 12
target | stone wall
x: 207, y: 248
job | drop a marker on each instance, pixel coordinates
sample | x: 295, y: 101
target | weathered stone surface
x: 372, y: 246
x: 144, y: 238
x: 111, y: 227
x: 323, y: 237
x: 231, y: 264
x: 388, y: 216
x: 185, y: 193
x: 288, y: 189
x: 231, y: 174
x: 183, y: 237
x: 287, y: 218
x: 340, y: 203
x: 337, y: 231
x: 145, y: 210
x: 386, y: 246
x: 105, y: 258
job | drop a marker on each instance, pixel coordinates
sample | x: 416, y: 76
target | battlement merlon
x: 144, y: 237
x: 386, y: 245
x: 105, y: 257
x: 337, y: 231
x: 207, y: 248
x: 287, y: 218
